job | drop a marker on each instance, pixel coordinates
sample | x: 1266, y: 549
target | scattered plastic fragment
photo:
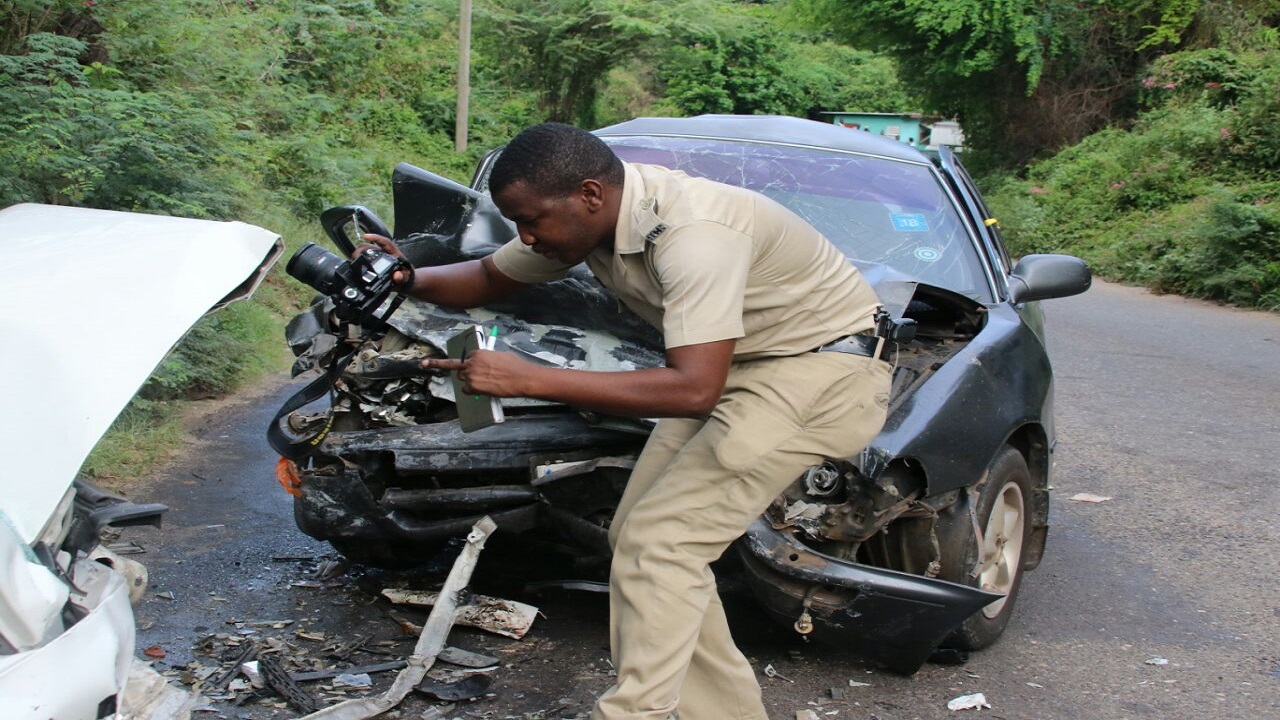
x: 252, y: 673
x: 502, y: 617
x: 466, y: 658
x: 1089, y: 498
x: 1034, y: 685
x: 855, y: 683
x: 155, y: 651
x: 770, y: 672
x: 968, y: 702
x: 806, y: 715
x: 472, y: 686
x: 355, y: 680
x: 1157, y: 661
x: 166, y: 595
x: 148, y: 695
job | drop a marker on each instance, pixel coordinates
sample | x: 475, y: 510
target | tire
x: 1003, y: 514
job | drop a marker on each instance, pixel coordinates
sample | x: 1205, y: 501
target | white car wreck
x: 93, y: 300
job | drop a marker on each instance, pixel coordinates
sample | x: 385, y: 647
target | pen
x: 492, y: 341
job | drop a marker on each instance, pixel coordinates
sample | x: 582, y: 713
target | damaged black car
x: 919, y: 541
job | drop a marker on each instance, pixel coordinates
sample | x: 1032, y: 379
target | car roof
x: 776, y: 129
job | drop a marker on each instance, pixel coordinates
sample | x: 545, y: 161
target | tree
x: 565, y: 48
x: 1023, y: 76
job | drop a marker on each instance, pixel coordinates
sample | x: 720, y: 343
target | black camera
x: 358, y: 287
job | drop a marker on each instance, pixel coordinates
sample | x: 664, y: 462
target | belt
x: 864, y: 345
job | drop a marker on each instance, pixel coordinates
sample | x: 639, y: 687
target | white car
x: 91, y: 302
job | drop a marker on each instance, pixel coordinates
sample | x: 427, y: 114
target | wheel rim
x: 1002, y: 546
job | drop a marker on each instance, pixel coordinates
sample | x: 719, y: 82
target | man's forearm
x: 655, y: 392
x: 462, y: 285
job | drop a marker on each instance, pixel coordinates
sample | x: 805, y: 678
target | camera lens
x: 316, y: 267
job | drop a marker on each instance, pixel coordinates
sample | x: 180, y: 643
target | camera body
x: 358, y: 287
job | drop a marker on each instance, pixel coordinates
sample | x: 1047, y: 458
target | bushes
x: 1188, y: 201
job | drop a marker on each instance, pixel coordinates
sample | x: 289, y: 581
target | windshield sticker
x: 909, y: 223
x: 928, y: 254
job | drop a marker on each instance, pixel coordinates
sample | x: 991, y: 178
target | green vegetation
x: 1185, y: 199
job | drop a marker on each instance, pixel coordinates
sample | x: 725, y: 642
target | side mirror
x: 1043, y: 277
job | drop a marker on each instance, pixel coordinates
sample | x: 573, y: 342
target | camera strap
x: 299, y: 449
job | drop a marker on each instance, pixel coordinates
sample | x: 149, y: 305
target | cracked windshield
x: 874, y: 209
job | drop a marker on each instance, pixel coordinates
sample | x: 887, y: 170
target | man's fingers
x: 441, y: 364
x: 384, y: 244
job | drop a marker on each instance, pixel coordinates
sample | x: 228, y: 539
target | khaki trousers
x: 696, y: 487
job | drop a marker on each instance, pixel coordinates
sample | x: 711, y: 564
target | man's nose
x: 526, y: 237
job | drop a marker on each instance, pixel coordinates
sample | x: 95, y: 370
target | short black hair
x: 554, y: 159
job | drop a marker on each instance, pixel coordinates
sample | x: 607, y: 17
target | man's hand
x: 399, y: 277
x: 486, y: 372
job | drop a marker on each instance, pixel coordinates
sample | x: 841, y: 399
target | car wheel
x: 379, y: 554
x: 1002, y: 513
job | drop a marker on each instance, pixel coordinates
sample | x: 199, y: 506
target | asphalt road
x: 1169, y: 407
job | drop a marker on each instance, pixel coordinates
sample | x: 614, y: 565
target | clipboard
x: 474, y: 411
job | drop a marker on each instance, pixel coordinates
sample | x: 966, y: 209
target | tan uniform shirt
x: 704, y: 261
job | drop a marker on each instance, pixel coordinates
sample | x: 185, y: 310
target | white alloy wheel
x: 1002, y: 545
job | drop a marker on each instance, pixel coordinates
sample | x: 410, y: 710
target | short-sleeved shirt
x: 704, y: 261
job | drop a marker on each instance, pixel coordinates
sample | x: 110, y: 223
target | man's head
x: 561, y: 186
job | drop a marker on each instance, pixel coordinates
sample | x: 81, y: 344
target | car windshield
x: 874, y: 209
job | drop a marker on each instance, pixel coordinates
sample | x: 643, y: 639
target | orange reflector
x: 287, y: 475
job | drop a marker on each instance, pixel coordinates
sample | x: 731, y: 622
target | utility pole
x: 464, y: 75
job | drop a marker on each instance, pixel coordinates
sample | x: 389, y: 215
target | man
x: 744, y: 292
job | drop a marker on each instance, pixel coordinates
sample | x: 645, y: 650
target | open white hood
x: 91, y: 302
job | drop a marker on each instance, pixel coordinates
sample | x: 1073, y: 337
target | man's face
x: 565, y: 229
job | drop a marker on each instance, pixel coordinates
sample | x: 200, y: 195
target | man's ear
x: 592, y: 192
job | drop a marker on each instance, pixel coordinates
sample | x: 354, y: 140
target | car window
x: 874, y: 209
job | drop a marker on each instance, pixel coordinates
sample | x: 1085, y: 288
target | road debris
x: 770, y: 672
x: 432, y: 640
x: 472, y: 686
x: 466, y: 658
x: 254, y: 675
x: 1089, y: 498
x: 338, y: 672
x: 858, y: 683
x: 502, y: 617
x: 149, y: 696
x: 278, y: 679
x: 353, y: 680
x: 1157, y: 661
x: 806, y: 715
x: 157, y: 652
x: 969, y: 702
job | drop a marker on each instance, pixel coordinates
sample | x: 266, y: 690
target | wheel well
x: 1033, y: 443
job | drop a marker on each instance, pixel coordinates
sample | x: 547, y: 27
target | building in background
x: 911, y: 128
